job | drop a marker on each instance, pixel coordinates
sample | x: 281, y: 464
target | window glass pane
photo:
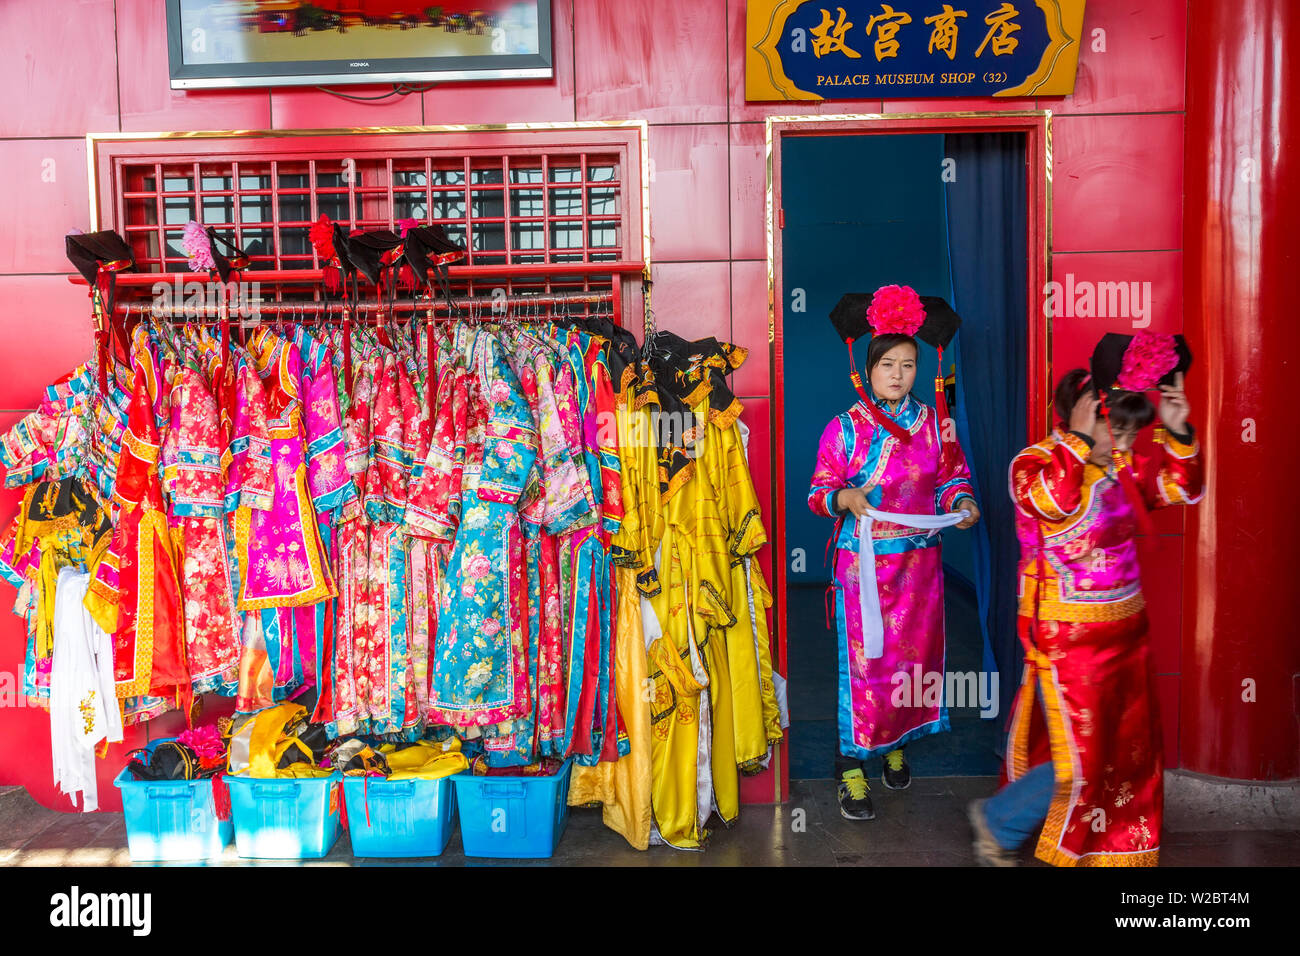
x: 218, y: 209
x: 178, y: 180
x: 598, y: 174
x: 486, y: 202
x: 410, y: 206
x: 566, y: 235
x: 527, y: 235
x: 178, y: 210
x: 566, y: 174
x: 526, y: 202
x: 409, y: 177
x: 489, y: 236
x: 259, y: 242
x: 294, y: 241
x: 527, y: 175
x: 174, y: 251
x: 448, y: 205
x: 487, y: 175
x: 449, y: 177
x: 603, y: 235
x: 254, y: 208
x: 333, y: 205
x: 295, y: 208
x: 292, y: 178
x: 566, y: 202
x: 602, y: 201
x: 250, y: 179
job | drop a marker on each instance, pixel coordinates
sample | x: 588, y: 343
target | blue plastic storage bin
x: 406, y: 817
x: 171, y: 820
x: 286, y: 818
x: 520, y: 818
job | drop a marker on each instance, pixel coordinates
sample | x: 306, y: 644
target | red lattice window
x: 513, y: 197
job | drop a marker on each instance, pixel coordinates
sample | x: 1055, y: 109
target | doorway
x: 950, y: 211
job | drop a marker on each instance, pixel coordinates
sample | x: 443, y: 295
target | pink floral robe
x: 911, y: 478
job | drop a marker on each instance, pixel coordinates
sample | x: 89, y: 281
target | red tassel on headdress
x: 102, y: 332
x: 940, y: 393
x: 347, y: 351
x: 101, y: 352
x: 405, y: 278
x: 876, y: 415
x: 333, y: 280
x: 948, y: 449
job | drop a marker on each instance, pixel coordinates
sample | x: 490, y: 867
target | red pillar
x: 1242, y: 274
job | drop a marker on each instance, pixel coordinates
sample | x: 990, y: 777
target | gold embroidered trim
x: 726, y: 418
x: 1078, y: 611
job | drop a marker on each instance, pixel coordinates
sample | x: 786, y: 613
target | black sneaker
x: 896, y: 775
x: 855, y: 803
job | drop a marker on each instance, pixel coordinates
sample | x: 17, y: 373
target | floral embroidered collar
x: 908, y: 409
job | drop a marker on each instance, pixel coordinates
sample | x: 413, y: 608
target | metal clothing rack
x: 220, y: 314
x: 135, y: 289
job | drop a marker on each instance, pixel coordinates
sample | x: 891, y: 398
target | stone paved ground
x: 924, y: 826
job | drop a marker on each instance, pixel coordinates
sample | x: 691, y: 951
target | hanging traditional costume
x: 480, y: 672
x: 454, y: 532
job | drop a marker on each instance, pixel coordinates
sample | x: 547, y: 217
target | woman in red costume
x: 1084, y: 753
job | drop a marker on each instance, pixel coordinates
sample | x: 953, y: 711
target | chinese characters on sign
x: 812, y: 49
x: 890, y: 22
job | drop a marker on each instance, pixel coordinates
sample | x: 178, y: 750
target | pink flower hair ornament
x: 895, y: 309
x: 198, y: 247
x: 1148, y: 358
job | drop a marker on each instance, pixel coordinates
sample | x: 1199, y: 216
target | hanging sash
x: 873, y: 626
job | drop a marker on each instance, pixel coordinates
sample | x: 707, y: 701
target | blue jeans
x: 1019, y: 808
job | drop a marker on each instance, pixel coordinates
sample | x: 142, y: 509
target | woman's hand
x: 1173, y: 407
x: 1083, y: 416
x: 853, y: 500
x: 968, y: 503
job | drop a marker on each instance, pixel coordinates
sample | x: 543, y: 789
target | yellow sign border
x: 766, y: 79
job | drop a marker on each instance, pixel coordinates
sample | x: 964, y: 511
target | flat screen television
x: 239, y: 43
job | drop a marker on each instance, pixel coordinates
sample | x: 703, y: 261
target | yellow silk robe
x: 624, y: 787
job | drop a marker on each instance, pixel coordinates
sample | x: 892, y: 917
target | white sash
x: 873, y: 626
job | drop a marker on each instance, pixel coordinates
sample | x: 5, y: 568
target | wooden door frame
x: 1037, y: 127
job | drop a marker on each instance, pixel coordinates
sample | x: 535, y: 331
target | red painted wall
x: 1117, y: 202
